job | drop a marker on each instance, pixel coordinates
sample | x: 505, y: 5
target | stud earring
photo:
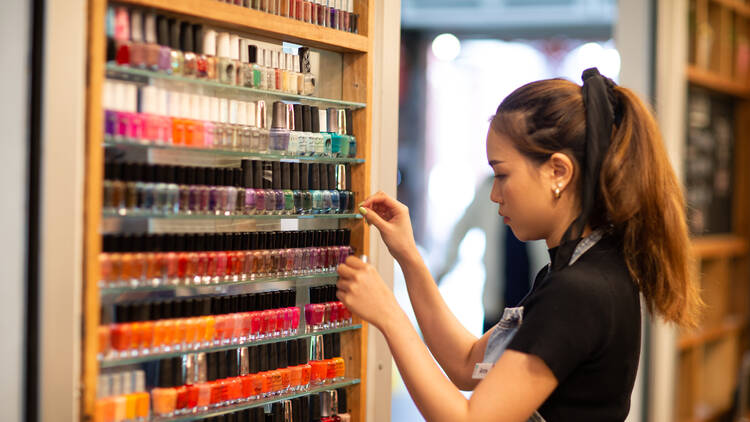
x: 557, y: 193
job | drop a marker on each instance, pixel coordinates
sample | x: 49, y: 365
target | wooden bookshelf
x: 356, y: 79
x: 708, y: 356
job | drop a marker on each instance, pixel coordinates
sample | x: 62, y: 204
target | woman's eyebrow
x: 493, y: 162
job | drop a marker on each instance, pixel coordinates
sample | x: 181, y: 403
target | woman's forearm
x: 447, y: 339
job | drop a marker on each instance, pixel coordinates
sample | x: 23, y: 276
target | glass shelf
x: 258, y: 403
x: 142, y: 76
x: 134, y: 144
x: 112, y: 363
x: 300, y: 278
x: 152, y: 215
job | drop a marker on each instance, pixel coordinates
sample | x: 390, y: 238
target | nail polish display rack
x: 353, y: 58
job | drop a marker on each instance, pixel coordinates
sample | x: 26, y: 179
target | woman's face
x: 522, y: 189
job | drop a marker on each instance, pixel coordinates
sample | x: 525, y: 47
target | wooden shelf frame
x: 730, y: 326
x: 715, y: 82
x: 719, y: 246
x: 230, y: 16
x: 357, y: 77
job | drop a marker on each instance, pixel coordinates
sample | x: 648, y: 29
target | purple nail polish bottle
x: 162, y: 30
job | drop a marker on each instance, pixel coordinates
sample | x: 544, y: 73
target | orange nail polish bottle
x: 164, y: 397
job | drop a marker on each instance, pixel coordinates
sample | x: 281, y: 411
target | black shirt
x: 584, y: 322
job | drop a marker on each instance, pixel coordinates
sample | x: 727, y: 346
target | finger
x: 380, y: 199
x: 372, y: 217
x: 346, y: 271
x: 343, y: 286
x: 355, y: 263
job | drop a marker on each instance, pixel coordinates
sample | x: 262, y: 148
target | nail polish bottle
x: 201, y: 63
x: 248, y: 187
x: 335, y: 196
x: 279, y: 133
x: 294, y: 74
x: 214, y: 131
x: 239, y: 186
x: 335, y: 132
x: 234, y: 123
x: 246, y: 77
x: 277, y: 189
x: 326, y: 148
x: 354, y: 22
x: 346, y: 140
x: 305, y: 193
x: 324, y: 186
x: 317, y: 361
x: 327, y: 8
x: 224, y: 131
x: 227, y: 72
x: 137, y: 46
x: 278, y: 68
x: 255, y: 68
x: 176, y: 59
x: 175, y: 114
x: 317, y: 194
x: 117, y: 188
x: 294, y: 124
x: 294, y: 185
x: 119, y: 400
x: 284, y: 7
x: 122, y: 36
x: 184, y: 190
x: 215, y: 181
x: 203, y: 190
x: 268, y: 60
x: 209, y: 50
x: 264, y: 134
x: 204, y: 116
x: 228, y: 193
x: 172, y: 205
x: 314, y: 141
x: 342, y: 14
x: 268, y: 192
x: 187, y: 39
x: 345, y: 196
x: 193, y: 124
x: 164, y: 397
x: 257, y: 187
x: 286, y: 186
x: 246, y: 131
x: 162, y: 37
x: 335, y: 6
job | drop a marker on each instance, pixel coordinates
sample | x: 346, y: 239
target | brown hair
x: 640, y: 194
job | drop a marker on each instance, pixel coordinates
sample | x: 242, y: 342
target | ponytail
x: 645, y: 203
x: 638, y: 193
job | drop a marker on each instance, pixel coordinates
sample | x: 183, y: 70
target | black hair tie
x: 600, y: 103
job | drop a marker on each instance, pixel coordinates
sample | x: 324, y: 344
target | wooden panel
x: 735, y: 5
x: 715, y: 290
x: 712, y: 81
x: 93, y: 202
x: 725, y: 42
x: 714, y: 20
x: 718, y: 246
x: 241, y: 18
x: 720, y: 373
x: 741, y: 203
x: 684, y: 385
x: 730, y: 326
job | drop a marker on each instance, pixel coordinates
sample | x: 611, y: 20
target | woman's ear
x: 559, y: 172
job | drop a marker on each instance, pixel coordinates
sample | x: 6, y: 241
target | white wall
x: 384, y: 162
x: 15, y: 20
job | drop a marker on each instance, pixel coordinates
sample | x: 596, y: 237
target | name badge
x: 481, y: 370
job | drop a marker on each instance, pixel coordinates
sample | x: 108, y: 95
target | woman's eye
x: 500, y: 176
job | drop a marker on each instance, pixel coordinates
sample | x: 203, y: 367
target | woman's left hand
x: 364, y: 292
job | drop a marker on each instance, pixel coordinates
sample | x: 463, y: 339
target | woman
x: 583, y: 168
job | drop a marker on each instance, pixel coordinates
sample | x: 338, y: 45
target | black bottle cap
x: 268, y: 175
x: 186, y: 37
x: 315, y: 176
x: 223, y: 364
x: 348, y: 176
x: 304, y: 404
x: 247, y: 173
x: 258, y: 174
x: 174, y: 34
x: 277, y: 410
x: 309, y: 239
x: 304, y: 352
x: 298, y: 126
x: 347, y: 237
x: 252, y: 302
x: 218, y: 177
x: 212, y: 365
x: 296, y: 410
x: 328, y: 346
x: 283, y: 356
x: 215, y: 305
x: 336, y: 345
x: 313, y: 293
x: 284, y: 298
x: 331, y: 176
x: 231, y: 417
x: 259, y: 414
x: 315, y: 407
x: 111, y: 49
x: 254, y: 245
x: 306, y: 119
x: 286, y: 176
x: 238, y: 240
x: 162, y: 31
x: 252, y: 53
x: 323, y: 168
x: 254, y: 352
x: 233, y: 363
x: 292, y: 298
x: 246, y: 243
x: 228, y: 176
x: 343, y: 405
x: 293, y: 353
x: 315, y: 119
x: 226, y: 305
x: 304, y: 176
x: 276, y: 297
x: 264, y: 353
x: 276, y: 170
x: 273, y: 356
x: 198, y: 39
x: 179, y: 375
x: 294, y: 176
x: 234, y: 304
x: 349, y: 122
x: 166, y: 373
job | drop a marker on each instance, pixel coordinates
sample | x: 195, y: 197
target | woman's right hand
x: 391, y: 218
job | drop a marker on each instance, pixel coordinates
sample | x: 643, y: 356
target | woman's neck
x: 555, y: 238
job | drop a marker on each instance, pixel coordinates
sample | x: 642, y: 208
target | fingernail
x: 361, y: 203
x: 363, y: 210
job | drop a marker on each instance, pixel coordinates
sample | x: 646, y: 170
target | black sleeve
x: 565, y: 322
